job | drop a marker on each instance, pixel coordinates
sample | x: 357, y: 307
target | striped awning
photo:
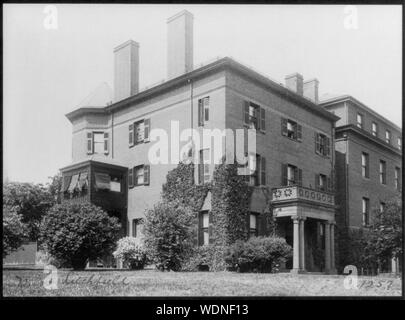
x: 73, y: 183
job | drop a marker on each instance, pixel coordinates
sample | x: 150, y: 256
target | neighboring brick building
x: 368, y: 151
x: 294, y: 143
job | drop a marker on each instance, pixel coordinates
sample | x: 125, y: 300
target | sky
x: 52, y: 60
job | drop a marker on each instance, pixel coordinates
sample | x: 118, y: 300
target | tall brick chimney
x: 311, y: 90
x: 126, y: 70
x: 179, y: 44
x: 295, y: 82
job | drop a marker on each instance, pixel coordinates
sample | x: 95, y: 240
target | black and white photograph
x: 202, y: 150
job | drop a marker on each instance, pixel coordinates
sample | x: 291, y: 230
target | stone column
x: 327, y: 246
x: 302, y: 244
x: 332, y: 247
x: 394, y: 265
x: 296, y: 246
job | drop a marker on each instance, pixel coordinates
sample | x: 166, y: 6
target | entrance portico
x: 300, y: 206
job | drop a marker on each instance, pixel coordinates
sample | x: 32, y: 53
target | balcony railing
x: 291, y: 193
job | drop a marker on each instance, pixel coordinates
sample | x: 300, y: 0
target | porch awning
x: 83, y: 181
x: 73, y: 183
x: 103, y: 180
x: 66, y: 183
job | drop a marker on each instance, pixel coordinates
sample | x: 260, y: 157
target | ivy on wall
x: 230, y: 206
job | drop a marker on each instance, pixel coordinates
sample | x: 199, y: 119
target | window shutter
x: 131, y: 178
x: 329, y: 184
x: 263, y: 170
x: 206, y: 109
x: 283, y: 174
x: 146, y: 175
x: 136, y: 133
x: 200, y: 231
x: 131, y: 135
x: 210, y: 228
x: 299, y: 132
x: 106, y: 143
x: 89, y: 142
x: 262, y: 119
x: 316, y: 181
x: 327, y: 146
x: 246, y: 112
x: 299, y: 177
x: 200, y: 113
x: 146, y: 130
x: 317, y: 143
x: 284, y: 131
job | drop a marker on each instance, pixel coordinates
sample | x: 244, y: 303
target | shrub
x: 73, y: 233
x: 168, y: 235
x: 258, y: 254
x: 206, y: 258
x: 14, y: 231
x: 132, y: 252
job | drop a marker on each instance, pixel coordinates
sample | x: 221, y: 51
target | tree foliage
x: 14, y: 231
x: 73, y: 233
x: 383, y: 240
x: 29, y: 200
x: 168, y: 234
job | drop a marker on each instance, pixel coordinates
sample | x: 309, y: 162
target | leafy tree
x: 168, y: 234
x: 14, y: 231
x: 384, y: 238
x: 55, y: 187
x: 31, y: 201
x: 73, y: 233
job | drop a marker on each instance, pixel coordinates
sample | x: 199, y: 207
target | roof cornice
x: 352, y: 99
x: 369, y: 137
x: 216, y: 66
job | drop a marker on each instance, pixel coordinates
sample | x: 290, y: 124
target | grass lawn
x: 156, y: 283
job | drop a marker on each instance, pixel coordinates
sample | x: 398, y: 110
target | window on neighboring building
x: 383, y: 172
x: 254, y: 116
x: 399, y: 141
x: 291, y: 175
x: 204, y: 228
x: 387, y: 136
x: 360, y: 120
x: 253, y: 232
x: 322, y: 144
x: 397, y: 178
x: 291, y: 129
x: 204, y: 166
x: 136, y: 228
x: 322, y: 182
x: 203, y: 110
x: 382, y: 206
x: 365, y: 211
x: 365, y: 165
x: 374, y: 129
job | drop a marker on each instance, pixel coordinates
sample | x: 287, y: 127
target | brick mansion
x: 327, y: 163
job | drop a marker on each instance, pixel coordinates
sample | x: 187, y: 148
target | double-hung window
x: 366, y: 211
x: 322, y: 144
x: 254, y: 116
x: 365, y: 165
x: 253, y: 231
x: 383, y: 172
x: 360, y: 120
x: 204, y: 221
x: 291, y: 129
x: 97, y: 142
x: 291, y: 175
x: 374, y: 129
x: 203, y: 111
x: 204, y: 166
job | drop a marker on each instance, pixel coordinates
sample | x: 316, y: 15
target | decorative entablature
x: 288, y: 194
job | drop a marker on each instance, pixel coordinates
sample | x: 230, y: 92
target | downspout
x: 112, y: 134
